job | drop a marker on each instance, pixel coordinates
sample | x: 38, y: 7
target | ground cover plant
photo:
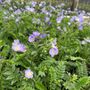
x: 41, y: 48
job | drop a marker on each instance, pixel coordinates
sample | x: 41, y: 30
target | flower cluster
x: 78, y: 18
x: 19, y: 47
x: 34, y: 36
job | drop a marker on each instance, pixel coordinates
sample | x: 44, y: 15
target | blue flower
x: 59, y: 19
x: 53, y: 51
x: 73, y: 19
x: 28, y: 74
x: 0, y: 1
x: 33, y: 3
x: 80, y: 27
x: 81, y: 19
x: 18, y: 47
x: 33, y: 36
x: 30, y: 9
x: 18, y: 11
x: 47, y: 19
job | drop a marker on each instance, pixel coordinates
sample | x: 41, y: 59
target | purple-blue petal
x: 43, y: 35
x: 36, y: 33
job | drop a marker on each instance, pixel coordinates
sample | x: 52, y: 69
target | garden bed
x: 41, y: 48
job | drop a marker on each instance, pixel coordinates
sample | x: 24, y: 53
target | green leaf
x: 82, y: 82
x: 76, y: 58
x: 40, y: 86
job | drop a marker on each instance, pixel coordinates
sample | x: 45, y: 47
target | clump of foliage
x: 42, y: 49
